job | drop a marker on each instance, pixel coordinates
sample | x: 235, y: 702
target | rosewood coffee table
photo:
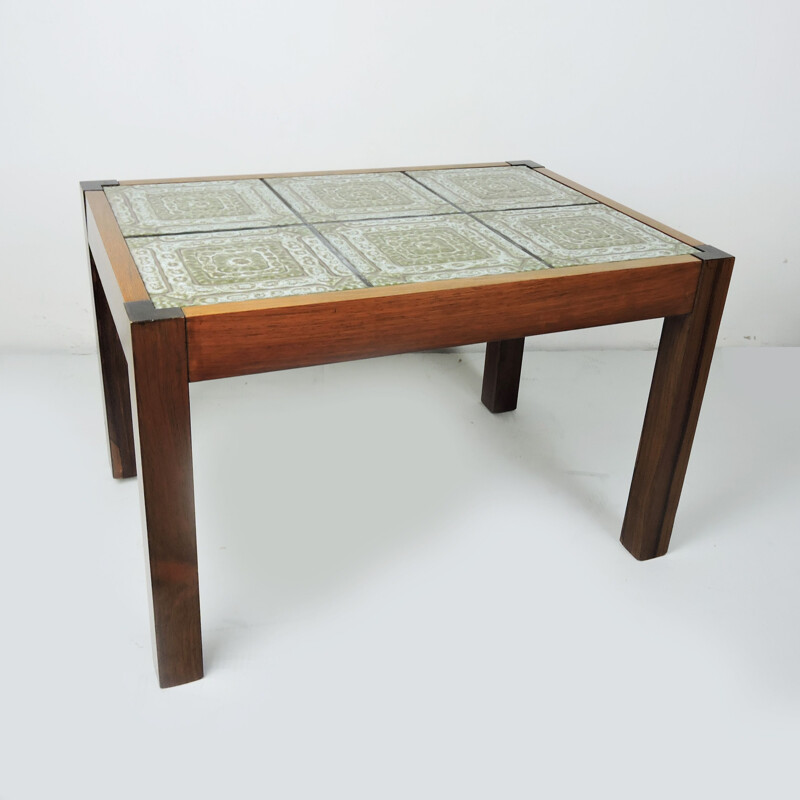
x: 205, y: 278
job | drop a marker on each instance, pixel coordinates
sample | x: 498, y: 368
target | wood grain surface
x: 364, y: 323
x: 501, y: 373
x: 679, y: 381
x: 116, y: 384
x: 164, y: 457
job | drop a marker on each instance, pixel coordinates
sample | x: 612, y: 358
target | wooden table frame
x: 148, y: 357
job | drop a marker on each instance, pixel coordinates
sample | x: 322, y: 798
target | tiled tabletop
x: 221, y: 241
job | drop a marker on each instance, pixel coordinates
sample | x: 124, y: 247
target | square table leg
x: 676, y: 394
x: 501, y: 373
x: 116, y: 389
x: 160, y: 385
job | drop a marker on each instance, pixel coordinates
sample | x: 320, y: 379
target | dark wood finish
x: 501, y: 373
x: 303, y: 174
x: 116, y: 386
x: 111, y: 354
x: 683, y: 237
x: 343, y: 326
x: 164, y: 449
x: 160, y: 350
x: 676, y: 394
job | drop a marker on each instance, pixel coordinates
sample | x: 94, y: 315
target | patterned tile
x: 497, y: 188
x: 596, y: 234
x: 150, y: 209
x: 425, y: 249
x: 329, y: 198
x: 201, y: 268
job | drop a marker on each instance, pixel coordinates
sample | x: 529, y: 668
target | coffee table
x: 203, y: 278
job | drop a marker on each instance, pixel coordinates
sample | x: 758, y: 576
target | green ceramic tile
x: 425, y: 249
x: 202, y: 268
x: 497, y: 188
x: 595, y: 234
x: 150, y: 209
x: 328, y: 198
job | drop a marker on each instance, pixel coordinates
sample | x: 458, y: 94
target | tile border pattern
x: 400, y: 251
x: 578, y: 235
x: 228, y: 266
x: 462, y: 188
x: 343, y: 198
x: 205, y: 206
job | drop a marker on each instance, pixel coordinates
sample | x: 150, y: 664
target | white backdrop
x: 684, y: 109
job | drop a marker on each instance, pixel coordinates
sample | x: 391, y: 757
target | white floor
x: 405, y: 596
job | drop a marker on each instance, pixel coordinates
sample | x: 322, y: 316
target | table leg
x: 116, y: 389
x: 501, y: 373
x: 161, y: 393
x: 679, y: 380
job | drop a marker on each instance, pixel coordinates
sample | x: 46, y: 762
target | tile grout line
x: 281, y: 225
x: 456, y: 210
x: 532, y: 208
x: 486, y: 224
x: 319, y: 236
x: 213, y: 230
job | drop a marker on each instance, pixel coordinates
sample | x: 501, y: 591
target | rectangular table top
x: 206, y: 242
